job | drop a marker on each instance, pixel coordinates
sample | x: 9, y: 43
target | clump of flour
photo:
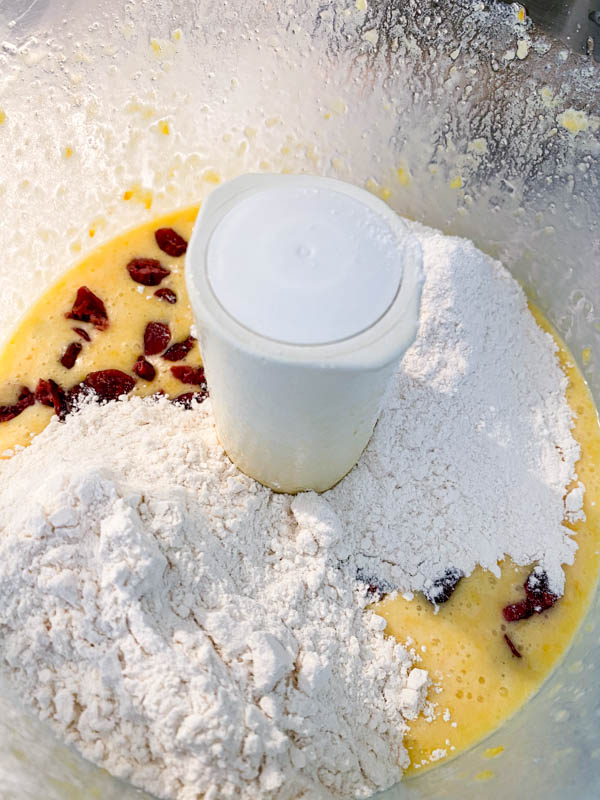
x: 198, y: 635
x: 186, y: 628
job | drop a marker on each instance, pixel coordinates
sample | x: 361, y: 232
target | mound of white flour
x: 201, y: 636
x: 473, y: 453
x: 184, y: 627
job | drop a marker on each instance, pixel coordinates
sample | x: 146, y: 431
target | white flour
x: 186, y: 628
x: 473, y: 452
x: 199, y: 635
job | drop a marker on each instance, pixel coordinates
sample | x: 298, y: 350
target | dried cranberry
x: 186, y: 399
x: 170, y: 242
x: 43, y: 393
x: 25, y: 399
x: 538, y: 598
x: 156, y: 337
x: 49, y: 393
x: 76, y: 394
x: 109, y: 384
x: 88, y: 307
x: 69, y: 357
x: 179, y: 350
x: 443, y: 588
x: 516, y: 611
x: 537, y: 591
x: 147, y: 271
x: 376, y: 587
x: 59, y: 400
x: 144, y: 369
x: 512, y: 646
x: 83, y: 333
x: 166, y: 294
x: 185, y: 374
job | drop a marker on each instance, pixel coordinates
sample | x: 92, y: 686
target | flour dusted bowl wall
x: 455, y: 113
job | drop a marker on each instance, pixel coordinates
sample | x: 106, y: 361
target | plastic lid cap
x: 304, y: 265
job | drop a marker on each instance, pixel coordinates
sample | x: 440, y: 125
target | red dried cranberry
x: 185, y: 374
x: 442, y: 588
x: 166, y: 294
x: 59, y: 400
x: 537, y: 591
x: 69, y: 357
x: 517, y: 611
x: 25, y: 399
x: 186, y: 399
x: 512, y: 646
x: 376, y: 587
x: 179, y: 350
x: 170, y: 242
x: 144, y: 369
x: 537, y: 598
x: 43, y: 393
x: 88, y: 307
x: 83, y: 333
x: 76, y: 394
x: 109, y: 384
x: 147, y: 271
x: 156, y: 337
x: 49, y: 393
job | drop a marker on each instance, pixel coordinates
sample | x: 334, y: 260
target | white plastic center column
x: 306, y: 293
x: 304, y: 265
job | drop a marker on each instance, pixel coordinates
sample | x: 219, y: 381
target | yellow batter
x: 34, y: 351
x: 463, y: 645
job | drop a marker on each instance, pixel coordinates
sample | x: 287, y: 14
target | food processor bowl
x: 458, y: 113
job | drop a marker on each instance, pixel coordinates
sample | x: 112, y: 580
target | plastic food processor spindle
x: 306, y: 294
